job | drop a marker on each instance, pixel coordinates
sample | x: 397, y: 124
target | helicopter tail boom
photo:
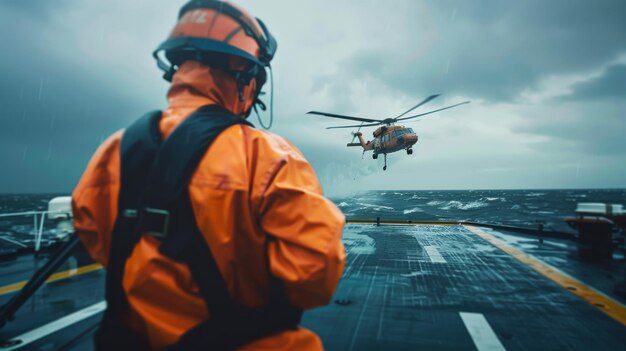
x: 365, y: 145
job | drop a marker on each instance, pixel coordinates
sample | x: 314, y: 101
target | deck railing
x: 38, y: 224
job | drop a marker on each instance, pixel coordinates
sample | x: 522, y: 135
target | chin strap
x: 262, y: 106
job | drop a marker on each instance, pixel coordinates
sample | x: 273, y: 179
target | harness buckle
x: 155, y: 221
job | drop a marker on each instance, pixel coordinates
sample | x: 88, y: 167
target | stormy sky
x: 547, y: 81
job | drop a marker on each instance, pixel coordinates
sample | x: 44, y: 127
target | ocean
x: 525, y: 208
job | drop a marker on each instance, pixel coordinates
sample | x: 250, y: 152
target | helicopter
x: 389, y: 137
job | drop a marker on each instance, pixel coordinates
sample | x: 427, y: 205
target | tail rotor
x: 354, y: 134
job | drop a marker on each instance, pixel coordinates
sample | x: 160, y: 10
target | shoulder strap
x: 181, y: 152
x: 140, y: 144
x: 168, y: 213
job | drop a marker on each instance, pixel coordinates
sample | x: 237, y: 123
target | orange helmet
x: 212, y: 32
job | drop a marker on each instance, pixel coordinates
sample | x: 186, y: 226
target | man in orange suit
x: 252, y: 200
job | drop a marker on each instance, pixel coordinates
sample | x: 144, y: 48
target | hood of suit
x: 195, y: 81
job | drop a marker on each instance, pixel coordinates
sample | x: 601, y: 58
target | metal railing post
x: 39, y: 233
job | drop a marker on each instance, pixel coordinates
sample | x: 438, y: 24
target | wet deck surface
x: 407, y: 287
x: 405, y: 296
x: 602, y: 275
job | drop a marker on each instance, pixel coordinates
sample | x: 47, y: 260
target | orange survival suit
x: 249, y: 185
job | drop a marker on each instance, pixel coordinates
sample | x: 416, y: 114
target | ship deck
x: 434, y: 287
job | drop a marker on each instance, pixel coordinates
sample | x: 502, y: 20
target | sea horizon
x: 360, y: 191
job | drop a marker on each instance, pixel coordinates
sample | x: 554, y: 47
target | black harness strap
x: 158, y: 203
x: 140, y: 144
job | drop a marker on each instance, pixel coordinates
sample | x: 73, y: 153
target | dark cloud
x: 53, y: 113
x: 40, y: 9
x: 491, y: 50
x: 610, y: 85
x: 581, y: 128
x: 74, y: 71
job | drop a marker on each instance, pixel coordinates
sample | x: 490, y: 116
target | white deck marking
x: 479, y: 329
x: 434, y: 254
x: 45, y: 330
x: 367, y: 297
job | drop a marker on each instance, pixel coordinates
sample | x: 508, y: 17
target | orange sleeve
x: 94, y: 200
x: 307, y: 253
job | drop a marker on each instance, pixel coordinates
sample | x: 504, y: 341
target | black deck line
x: 544, y: 233
x: 397, y: 298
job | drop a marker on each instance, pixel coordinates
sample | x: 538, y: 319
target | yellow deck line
x: 597, y: 299
x: 56, y: 276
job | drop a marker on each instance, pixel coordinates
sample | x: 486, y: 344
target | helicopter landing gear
x: 409, y: 151
x: 385, y: 166
x: 375, y: 156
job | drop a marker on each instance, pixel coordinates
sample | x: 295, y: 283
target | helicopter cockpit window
x: 386, y: 138
x: 410, y: 130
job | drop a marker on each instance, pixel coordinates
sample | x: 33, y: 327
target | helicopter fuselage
x: 388, y: 139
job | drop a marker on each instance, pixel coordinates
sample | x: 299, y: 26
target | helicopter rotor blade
x: 414, y: 121
x: 418, y: 105
x: 332, y: 115
x: 429, y: 112
x: 354, y: 126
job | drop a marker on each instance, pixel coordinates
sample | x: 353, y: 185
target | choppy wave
x: 375, y: 207
x: 543, y: 212
x: 501, y: 199
x: 412, y: 210
x: 459, y: 205
x: 463, y: 206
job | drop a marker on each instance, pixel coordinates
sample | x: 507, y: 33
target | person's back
x: 256, y: 202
